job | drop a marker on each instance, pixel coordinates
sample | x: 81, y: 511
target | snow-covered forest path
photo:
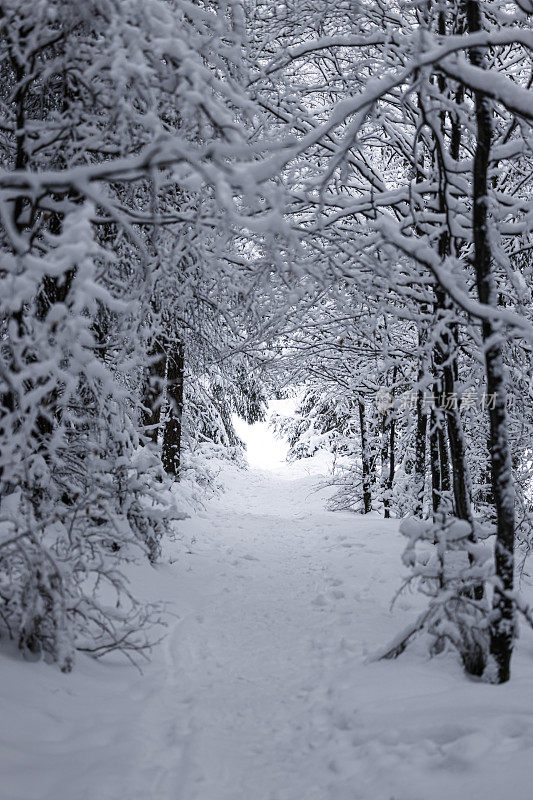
x: 267, y: 691
x: 261, y: 689
x: 273, y: 612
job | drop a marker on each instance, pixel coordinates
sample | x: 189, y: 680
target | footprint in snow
x: 320, y: 600
x: 338, y: 594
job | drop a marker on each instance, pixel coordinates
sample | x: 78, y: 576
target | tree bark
x: 388, y: 460
x: 503, y: 618
x: 388, y: 454
x: 420, y: 438
x: 434, y: 459
x: 365, y: 461
x: 171, y: 451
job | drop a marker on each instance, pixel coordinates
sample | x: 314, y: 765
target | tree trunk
x: 456, y: 439
x: 385, y: 462
x: 366, y: 461
x: 171, y: 452
x: 440, y: 463
x: 388, y: 455
x: 448, y: 413
x: 388, y: 460
x: 447, y: 344
x: 420, y: 437
x: 445, y: 481
x: 435, y: 462
x: 503, y: 619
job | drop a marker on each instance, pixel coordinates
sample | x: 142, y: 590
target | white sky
x: 263, y: 449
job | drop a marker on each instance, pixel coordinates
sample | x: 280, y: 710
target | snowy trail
x: 261, y: 690
x: 288, y: 601
x: 253, y: 660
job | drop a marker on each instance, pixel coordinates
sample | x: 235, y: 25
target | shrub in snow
x: 451, y: 567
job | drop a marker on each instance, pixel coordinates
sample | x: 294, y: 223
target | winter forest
x: 266, y: 399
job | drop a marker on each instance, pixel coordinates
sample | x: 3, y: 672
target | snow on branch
x: 419, y: 251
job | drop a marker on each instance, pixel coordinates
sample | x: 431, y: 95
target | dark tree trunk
x: 461, y: 483
x: 388, y: 455
x: 385, y: 462
x: 440, y: 463
x: 435, y: 462
x: 171, y: 452
x: 503, y: 621
x: 448, y: 413
x: 366, y: 461
x: 388, y: 460
x: 420, y: 447
x: 447, y: 345
x: 445, y: 481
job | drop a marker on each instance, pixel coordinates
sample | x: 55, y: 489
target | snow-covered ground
x: 262, y: 689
